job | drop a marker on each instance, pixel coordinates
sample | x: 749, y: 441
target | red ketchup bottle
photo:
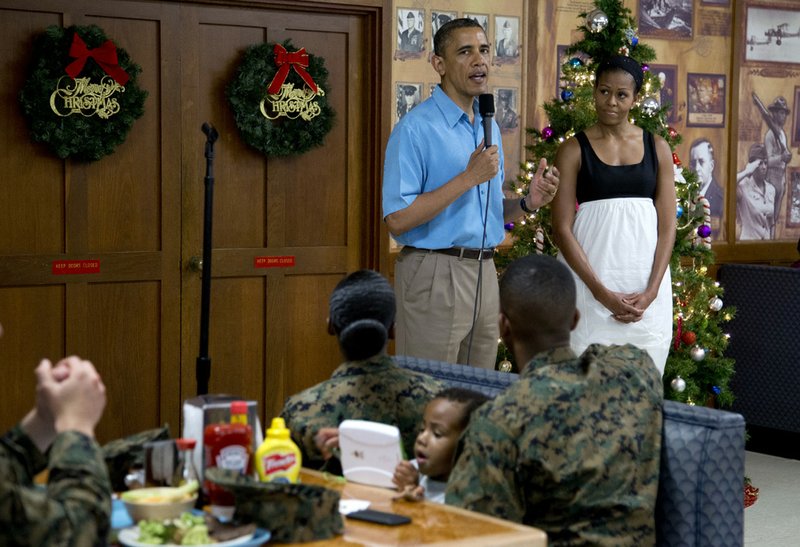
x: 228, y: 446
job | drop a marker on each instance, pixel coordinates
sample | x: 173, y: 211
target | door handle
x: 195, y: 264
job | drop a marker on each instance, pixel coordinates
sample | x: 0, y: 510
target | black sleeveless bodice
x: 597, y: 180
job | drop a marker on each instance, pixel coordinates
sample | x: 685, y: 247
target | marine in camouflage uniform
x: 75, y: 506
x: 572, y: 448
x: 376, y: 389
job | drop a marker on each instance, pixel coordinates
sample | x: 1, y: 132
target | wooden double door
x: 133, y: 221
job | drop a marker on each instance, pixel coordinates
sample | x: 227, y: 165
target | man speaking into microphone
x: 443, y: 201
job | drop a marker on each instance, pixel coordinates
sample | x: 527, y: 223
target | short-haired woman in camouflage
x: 369, y: 385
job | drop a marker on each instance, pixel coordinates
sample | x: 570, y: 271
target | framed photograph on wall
x: 668, y: 77
x: 410, y: 33
x: 705, y: 98
x: 796, y: 118
x: 439, y: 18
x: 506, y: 109
x: 793, y: 201
x: 506, y: 38
x: 668, y: 19
x: 407, y: 96
x: 773, y: 35
x: 482, y: 19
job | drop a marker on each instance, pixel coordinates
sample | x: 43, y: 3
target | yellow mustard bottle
x: 278, y: 458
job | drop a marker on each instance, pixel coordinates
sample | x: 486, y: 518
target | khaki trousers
x: 436, y: 297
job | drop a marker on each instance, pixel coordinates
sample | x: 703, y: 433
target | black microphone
x: 486, y: 108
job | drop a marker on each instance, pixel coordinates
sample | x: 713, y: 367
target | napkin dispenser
x: 203, y: 410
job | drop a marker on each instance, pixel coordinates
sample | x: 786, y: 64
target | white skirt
x: 619, y: 237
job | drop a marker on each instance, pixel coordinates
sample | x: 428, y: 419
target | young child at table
x: 445, y: 418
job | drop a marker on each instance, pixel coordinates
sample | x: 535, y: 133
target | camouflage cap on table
x: 291, y: 512
x: 122, y: 455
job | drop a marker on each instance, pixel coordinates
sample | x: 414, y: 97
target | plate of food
x: 192, y: 528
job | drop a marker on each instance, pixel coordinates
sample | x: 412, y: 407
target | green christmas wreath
x: 103, y: 118
x: 281, y: 136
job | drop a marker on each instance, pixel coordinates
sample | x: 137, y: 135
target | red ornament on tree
x: 688, y: 337
x: 675, y: 159
x: 672, y: 133
x: 750, y: 493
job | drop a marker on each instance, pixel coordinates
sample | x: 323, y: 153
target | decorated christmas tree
x: 697, y: 372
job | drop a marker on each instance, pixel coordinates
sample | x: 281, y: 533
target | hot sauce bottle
x: 228, y: 446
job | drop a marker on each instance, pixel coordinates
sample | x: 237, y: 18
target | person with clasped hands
x: 619, y: 242
x: 438, y: 204
x: 58, y: 435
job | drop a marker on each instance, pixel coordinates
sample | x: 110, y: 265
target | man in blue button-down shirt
x: 443, y: 200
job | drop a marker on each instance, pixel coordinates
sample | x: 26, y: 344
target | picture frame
x: 410, y: 42
x: 506, y: 100
x: 667, y: 19
x: 793, y: 198
x: 407, y: 96
x: 705, y: 99
x: 439, y: 18
x: 482, y: 19
x: 796, y: 117
x: 668, y: 76
x: 770, y: 36
x: 507, y: 39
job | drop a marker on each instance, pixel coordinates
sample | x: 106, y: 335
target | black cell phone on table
x: 379, y: 517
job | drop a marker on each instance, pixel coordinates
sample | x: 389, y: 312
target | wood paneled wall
x: 139, y: 211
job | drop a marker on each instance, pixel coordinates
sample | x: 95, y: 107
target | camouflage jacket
x: 75, y: 506
x: 377, y: 390
x: 571, y: 449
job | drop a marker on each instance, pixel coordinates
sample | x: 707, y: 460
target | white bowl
x: 144, y: 509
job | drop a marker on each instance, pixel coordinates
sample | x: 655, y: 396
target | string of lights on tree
x: 697, y: 372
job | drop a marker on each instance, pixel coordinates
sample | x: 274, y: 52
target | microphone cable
x: 479, y: 284
x: 486, y: 109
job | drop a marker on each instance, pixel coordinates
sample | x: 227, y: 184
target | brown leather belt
x: 460, y: 252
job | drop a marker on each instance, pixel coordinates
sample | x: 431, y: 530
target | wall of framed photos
x: 413, y: 77
x: 726, y: 66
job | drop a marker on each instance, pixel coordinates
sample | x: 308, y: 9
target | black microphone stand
x: 203, y: 366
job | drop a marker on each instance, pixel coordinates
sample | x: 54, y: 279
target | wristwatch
x: 525, y: 207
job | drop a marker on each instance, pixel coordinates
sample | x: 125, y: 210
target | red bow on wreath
x: 285, y: 61
x: 105, y: 55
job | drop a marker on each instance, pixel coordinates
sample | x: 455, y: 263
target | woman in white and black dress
x: 619, y: 242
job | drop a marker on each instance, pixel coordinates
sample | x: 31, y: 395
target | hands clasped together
x: 70, y: 396
x: 627, y: 307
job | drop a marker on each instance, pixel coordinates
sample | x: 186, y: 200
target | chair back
x: 701, y: 485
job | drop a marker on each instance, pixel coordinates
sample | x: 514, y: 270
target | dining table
x: 432, y: 524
